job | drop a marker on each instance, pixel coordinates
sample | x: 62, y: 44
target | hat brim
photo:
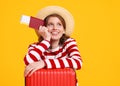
x: 60, y: 11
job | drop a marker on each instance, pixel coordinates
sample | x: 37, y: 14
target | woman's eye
x: 49, y: 25
x: 59, y: 24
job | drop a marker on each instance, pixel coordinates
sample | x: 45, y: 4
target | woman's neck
x: 54, y: 44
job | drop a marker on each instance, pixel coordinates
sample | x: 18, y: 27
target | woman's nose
x: 54, y: 27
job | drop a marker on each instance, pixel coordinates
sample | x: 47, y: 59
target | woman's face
x: 55, y: 27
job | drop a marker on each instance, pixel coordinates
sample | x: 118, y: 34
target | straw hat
x: 60, y: 11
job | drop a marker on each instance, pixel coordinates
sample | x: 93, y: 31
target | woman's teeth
x: 54, y: 33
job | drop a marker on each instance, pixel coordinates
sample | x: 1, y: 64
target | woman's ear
x: 64, y: 32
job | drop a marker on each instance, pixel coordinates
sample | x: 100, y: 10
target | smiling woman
x: 56, y: 26
x: 55, y: 48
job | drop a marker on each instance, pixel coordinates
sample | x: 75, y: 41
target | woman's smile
x: 55, y: 27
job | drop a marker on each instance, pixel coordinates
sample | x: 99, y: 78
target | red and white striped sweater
x: 61, y: 57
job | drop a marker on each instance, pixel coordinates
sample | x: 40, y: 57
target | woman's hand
x: 31, y: 68
x: 43, y: 31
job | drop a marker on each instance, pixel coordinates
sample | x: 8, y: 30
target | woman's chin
x: 55, y: 38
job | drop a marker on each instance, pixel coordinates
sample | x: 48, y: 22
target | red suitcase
x: 52, y: 77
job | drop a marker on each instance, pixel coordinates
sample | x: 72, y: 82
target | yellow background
x: 97, y: 24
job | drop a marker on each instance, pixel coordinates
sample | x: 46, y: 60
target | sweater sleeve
x: 35, y: 51
x: 73, y: 59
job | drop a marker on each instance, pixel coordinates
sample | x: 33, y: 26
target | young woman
x: 55, y: 48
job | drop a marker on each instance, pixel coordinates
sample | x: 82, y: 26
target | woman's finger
x: 32, y: 71
x: 28, y: 69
